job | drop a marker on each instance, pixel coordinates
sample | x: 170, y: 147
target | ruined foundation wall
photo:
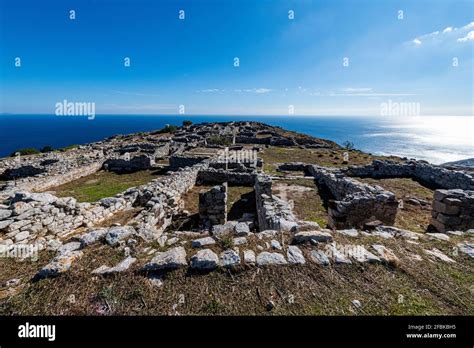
x: 39, y: 217
x: 162, y: 199
x: 213, y: 206
x: 355, y: 203
x: 432, y: 175
x: 453, y: 210
x: 182, y: 161
x: 219, y: 176
x: 47, y: 182
x: 272, y: 212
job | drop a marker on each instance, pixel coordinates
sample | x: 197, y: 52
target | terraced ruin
x: 233, y: 218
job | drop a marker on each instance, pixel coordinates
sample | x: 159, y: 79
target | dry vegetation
x: 412, y: 217
x: 308, y: 204
x: 413, y: 288
x: 103, y: 184
x: 272, y: 156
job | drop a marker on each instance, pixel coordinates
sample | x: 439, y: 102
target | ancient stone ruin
x: 453, y: 210
x: 213, y: 206
x: 29, y: 215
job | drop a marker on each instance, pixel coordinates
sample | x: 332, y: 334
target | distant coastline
x: 423, y: 137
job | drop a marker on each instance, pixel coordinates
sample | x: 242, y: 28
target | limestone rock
x: 199, y: 243
x: 242, y: 229
x: 167, y: 260
x: 439, y: 255
x: 266, y: 258
x: 120, y: 267
x: 219, y: 231
x: 118, y: 233
x: 466, y: 248
x: 295, y: 256
x: 439, y: 236
x: 69, y: 247
x: 249, y: 257
x: 240, y: 241
x: 385, y: 254
x: 5, y: 213
x: 315, y: 236
x: 58, y: 265
x: 319, y: 257
x: 363, y: 255
x: 92, y: 237
x: 229, y: 258
x: 349, y: 232
x: 21, y: 236
x: 204, y: 259
x: 275, y: 244
x: 338, y: 256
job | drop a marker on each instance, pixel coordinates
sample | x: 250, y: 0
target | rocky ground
x: 133, y: 242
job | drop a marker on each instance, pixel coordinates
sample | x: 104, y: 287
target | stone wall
x: 354, y: 203
x: 293, y: 166
x: 161, y: 199
x: 181, y: 161
x: 426, y: 173
x: 272, y: 212
x: 213, y: 206
x: 453, y: 210
x: 219, y: 176
x: 39, y: 218
x: 46, y: 182
x: 134, y: 164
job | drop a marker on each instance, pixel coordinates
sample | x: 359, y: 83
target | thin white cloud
x: 468, y: 37
x: 448, y: 34
x: 209, y: 90
x: 447, y: 30
x: 356, y: 90
x: 253, y: 90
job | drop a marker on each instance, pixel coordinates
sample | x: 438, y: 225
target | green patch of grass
x: 213, y: 307
x: 226, y: 242
x: 102, y: 184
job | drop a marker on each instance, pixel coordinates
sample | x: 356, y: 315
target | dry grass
x: 413, y: 288
x: 304, y: 193
x: 324, y: 157
x: 412, y: 217
x: 103, y: 184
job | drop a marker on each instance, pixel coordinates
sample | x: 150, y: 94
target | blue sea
x: 437, y: 139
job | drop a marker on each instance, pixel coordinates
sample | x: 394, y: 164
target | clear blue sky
x: 282, y: 62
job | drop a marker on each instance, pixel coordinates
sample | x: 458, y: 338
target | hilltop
x: 233, y: 218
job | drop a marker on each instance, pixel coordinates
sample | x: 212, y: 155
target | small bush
x: 47, y: 148
x: 167, y: 129
x: 187, y: 123
x: 67, y: 148
x: 348, y: 145
x: 25, y: 151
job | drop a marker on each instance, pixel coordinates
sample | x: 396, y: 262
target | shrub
x: 187, y: 123
x: 348, y: 145
x: 67, y: 148
x: 25, y: 151
x: 47, y: 148
x: 167, y: 129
